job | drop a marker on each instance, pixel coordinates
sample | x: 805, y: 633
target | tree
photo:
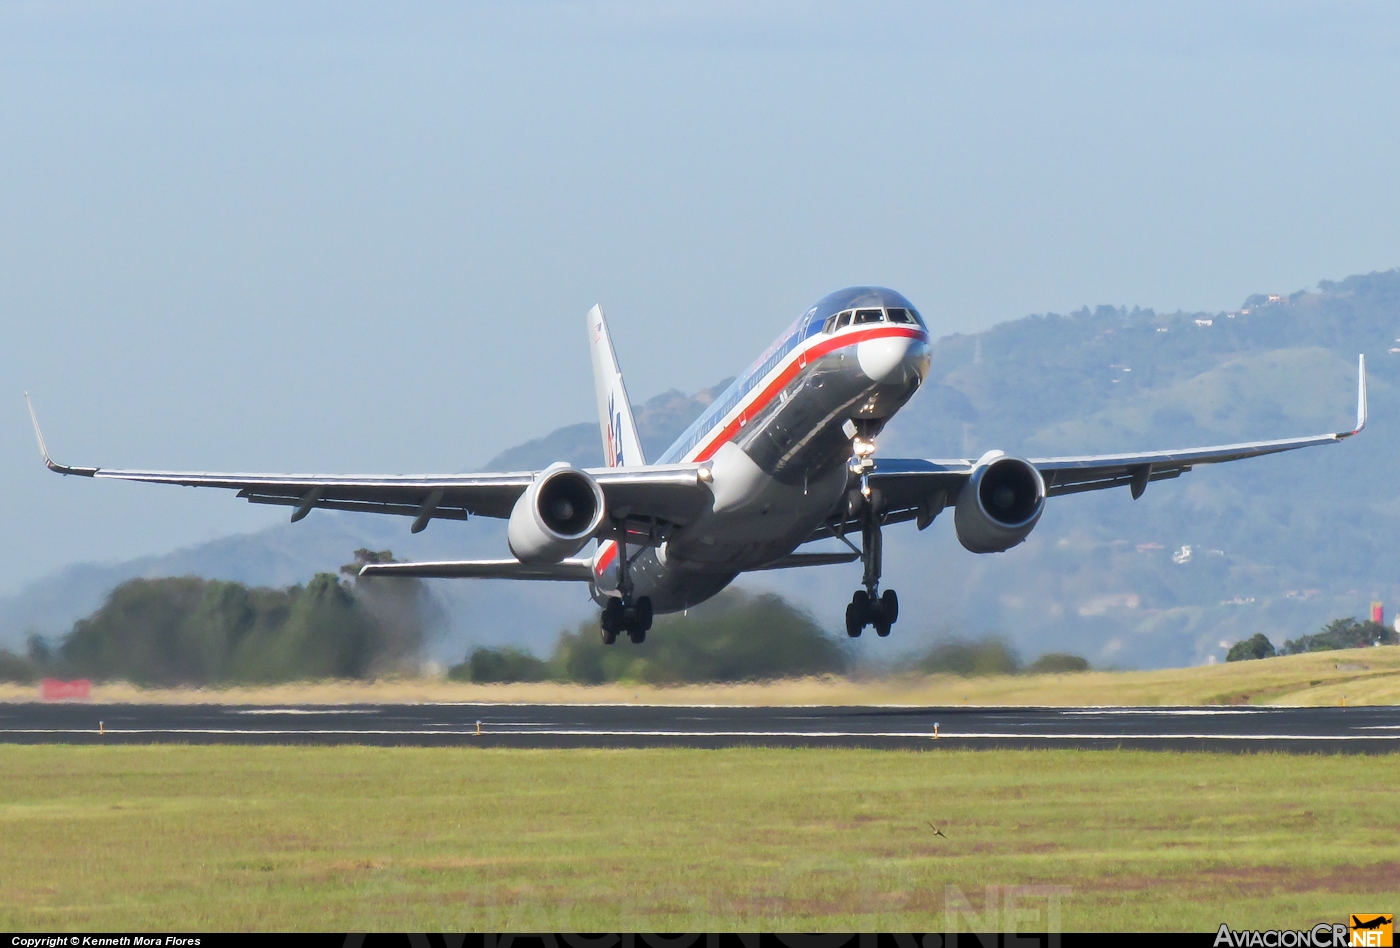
x: 1342, y: 633
x: 403, y: 606
x: 1256, y: 646
x: 17, y: 668
x: 990, y: 656
x: 137, y: 634
x: 737, y: 636
x: 500, y: 665
x: 192, y: 631
x: 1057, y: 663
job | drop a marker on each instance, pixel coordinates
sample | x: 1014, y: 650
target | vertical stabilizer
x: 621, y: 446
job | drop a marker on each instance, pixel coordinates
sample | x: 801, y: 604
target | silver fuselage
x: 779, y: 448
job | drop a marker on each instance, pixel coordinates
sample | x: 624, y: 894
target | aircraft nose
x: 894, y: 358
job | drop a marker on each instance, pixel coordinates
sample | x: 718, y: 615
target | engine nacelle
x: 1000, y: 503
x: 556, y: 516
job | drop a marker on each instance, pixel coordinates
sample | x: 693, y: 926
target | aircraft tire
x: 638, y: 636
x: 854, y: 625
x: 858, y: 613
x: 611, y: 622
x: 644, y: 614
x: 889, y: 608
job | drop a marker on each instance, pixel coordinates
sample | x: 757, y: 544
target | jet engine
x: 556, y: 516
x: 1000, y: 503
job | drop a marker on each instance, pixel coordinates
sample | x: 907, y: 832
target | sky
x: 362, y: 238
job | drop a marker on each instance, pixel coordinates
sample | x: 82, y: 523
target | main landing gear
x: 626, y: 613
x: 869, y: 606
x: 633, y: 618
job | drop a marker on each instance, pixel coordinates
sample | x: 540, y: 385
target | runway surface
x: 1295, y: 730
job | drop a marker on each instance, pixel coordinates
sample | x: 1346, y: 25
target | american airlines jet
x: 785, y: 457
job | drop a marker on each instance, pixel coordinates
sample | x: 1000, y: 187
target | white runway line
x: 1173, y: 711
x: 308, y: 711
x: 505, y: 731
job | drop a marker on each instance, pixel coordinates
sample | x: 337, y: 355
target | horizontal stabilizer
x: 811, y: 559
x: 573, y: 570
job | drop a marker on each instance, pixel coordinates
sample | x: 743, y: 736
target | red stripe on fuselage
x: 760, y: 400
x: 790, y: 372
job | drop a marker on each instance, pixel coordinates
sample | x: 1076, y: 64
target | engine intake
x: 1000, y: 503
x: 556, y: 516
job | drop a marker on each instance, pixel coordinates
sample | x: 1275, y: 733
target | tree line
x: 737, y: 636
x: 188, y: 631
x: 192, y: 631
x: 1337, y: 634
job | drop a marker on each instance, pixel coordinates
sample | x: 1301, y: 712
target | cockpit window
x: 869, y: 316
x: 843, y: 320
x: 900, y: 315
x: 830, y: 325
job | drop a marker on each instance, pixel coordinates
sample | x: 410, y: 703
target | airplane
x: 783, y: 458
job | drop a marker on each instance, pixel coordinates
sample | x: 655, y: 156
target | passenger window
x: 900, y: 315
x: 868, y: 316
x: 843, y: 320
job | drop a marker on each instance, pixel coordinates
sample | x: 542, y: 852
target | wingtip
x: 1361, y: 400
x: 38, y: 434
x: 1360, y: 393
x: 44, y: 448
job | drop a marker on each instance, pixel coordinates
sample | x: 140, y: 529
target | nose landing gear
x: 869, y: 606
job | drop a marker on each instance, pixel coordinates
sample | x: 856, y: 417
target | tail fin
x: 621, y: 446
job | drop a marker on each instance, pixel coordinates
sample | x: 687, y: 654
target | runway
x: 1244, y: 729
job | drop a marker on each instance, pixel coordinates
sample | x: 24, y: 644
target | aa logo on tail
x: 614, y: 433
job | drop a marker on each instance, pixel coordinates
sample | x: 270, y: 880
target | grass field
x: 207, y: 838
x: 1356, y: 676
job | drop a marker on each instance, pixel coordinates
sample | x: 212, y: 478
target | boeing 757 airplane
x: 785, y: 457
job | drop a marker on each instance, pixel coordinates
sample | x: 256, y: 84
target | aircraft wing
x: 913, y: 489
x: 670, y: 493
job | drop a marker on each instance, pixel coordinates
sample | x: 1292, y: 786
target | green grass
x: 177, y: 837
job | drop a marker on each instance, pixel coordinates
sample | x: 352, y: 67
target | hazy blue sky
x: 342, y: 237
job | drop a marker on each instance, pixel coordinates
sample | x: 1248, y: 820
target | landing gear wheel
x: 635, y: 619
x: 858, y: 613
x: 854, y: 625
x: 889, y: 607
x: 882, y: 628
x: 611, y: 621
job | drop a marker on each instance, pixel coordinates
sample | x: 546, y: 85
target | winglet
x: 44, y: 449
x: 1360, y: 399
